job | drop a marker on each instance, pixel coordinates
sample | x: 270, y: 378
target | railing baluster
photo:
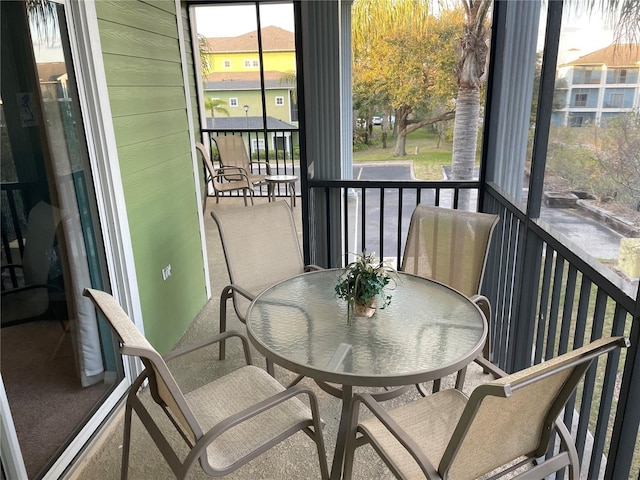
x: 606, y: 397
x: 555, y: 307
x: 590, y: 378
x: 544, y: 303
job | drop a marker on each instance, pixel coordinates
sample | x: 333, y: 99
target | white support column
x: 515, y: 98
x: 326, y: 36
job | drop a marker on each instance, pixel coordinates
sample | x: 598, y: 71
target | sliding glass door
x: 59, y: 362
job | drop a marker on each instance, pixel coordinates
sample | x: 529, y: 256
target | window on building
x: 279, y: 101
x: 233, y: 102
x: 580, y: 100
x: 226, y: 63
x: 251, y: 63
x: 257, y: 144
x: 586, y: 75
x: 616, y: 100
x: 622, y: 75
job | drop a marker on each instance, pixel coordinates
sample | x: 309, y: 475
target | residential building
x: 239, y: 71
x: 599, y: 86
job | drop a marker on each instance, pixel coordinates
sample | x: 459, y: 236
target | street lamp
x: 246, y: 114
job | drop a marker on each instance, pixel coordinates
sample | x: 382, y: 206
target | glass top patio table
x: 428, y: 331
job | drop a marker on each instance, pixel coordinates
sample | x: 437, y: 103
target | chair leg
x: 126, y: 442
x: 226, y: 294
x: 462, y: 373
x: 485, y: 307
x: 318, y: 438
x: 350, y: 448
x: 422, y: 390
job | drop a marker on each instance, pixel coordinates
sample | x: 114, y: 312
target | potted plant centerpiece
x: 363, y: 280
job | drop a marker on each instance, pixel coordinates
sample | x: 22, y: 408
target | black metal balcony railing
x: 14, y: 225
x: 546, y: 300
x: 280, y: 148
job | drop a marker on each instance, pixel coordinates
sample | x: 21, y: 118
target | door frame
x: 84, y: 38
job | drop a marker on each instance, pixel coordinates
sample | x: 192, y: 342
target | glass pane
x: 232, y: 79
x: 592, y: 179
x: 249, y: 78
x: 405, y: 87
x: 53, y: 346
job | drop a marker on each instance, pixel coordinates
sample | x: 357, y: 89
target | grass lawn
x: 420, y: 148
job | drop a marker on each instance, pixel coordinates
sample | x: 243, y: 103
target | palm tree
x: 469, y: 77
x: 624, y: 15
x: 216, y: 105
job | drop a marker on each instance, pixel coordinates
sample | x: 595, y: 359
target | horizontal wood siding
x: 144, y: 76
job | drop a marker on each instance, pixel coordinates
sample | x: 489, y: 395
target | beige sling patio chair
x: 224, y: 423
x: 233, y: 154
x: 261, y: 248
x: 221, y: 180
x: 30, y: 299
x: 502, y: 427
x: 451, y: 247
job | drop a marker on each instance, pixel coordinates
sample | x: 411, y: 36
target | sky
x: 234, y: 20
x: 580, y: 35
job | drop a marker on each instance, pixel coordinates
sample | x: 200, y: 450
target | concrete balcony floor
x: 294, y: 458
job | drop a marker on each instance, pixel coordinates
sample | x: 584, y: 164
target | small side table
x: 289, y: 180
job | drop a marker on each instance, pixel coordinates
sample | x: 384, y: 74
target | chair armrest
x: 211, y: 341
x: 12, y: 266
x: 232, y: 175
x: 34, y: 286
x: 312, y: 268
x: 226, y: 292
x: 490, y: 367
x: 222, y: 172
x: 261, y: 162
x: 396, y: 430
x: 24, y: 288
x: 239, y: 417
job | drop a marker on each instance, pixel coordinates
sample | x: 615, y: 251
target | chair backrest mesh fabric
x: 260, y: 244
x: 232, y: 152
x: 40, y: 237
x: 206, y: 158
x: 504, y: 429
x: 449, y: 246
x: 164, y: 388
x: 513, y: 416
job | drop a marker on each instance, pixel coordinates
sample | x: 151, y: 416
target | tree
x: 618, y: 153
x: 290, y: 79
x: 404, y: 61
x: 203, y: 51
x: 216, y: 105
x: 469, y: 77
x: 622, y: 15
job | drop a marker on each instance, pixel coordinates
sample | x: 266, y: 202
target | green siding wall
x: 145, y: 85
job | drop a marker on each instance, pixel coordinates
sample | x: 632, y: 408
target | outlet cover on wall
x: 166, y: 272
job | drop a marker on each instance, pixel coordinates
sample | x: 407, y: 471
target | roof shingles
x: 612, y: 56
x: 273, y: 39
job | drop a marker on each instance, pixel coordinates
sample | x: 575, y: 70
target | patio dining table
x: 427, y: 332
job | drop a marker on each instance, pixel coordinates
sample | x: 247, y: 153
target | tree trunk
x: 465, y: 134
x: 401, y: 143
x: 401, y: 118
